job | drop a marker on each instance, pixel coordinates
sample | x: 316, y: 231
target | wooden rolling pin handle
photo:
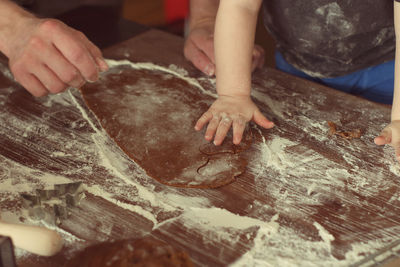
x: 35, y: 239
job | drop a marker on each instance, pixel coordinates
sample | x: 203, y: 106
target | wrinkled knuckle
x: 78, y: 55
x: 240, y: 119
x: 80, y: 35
x: 216, y: 117
x: 226, y: 119
x: 36, y: 43
x: 50, y: 25
x: 226, y: 122
x: 204, y: 118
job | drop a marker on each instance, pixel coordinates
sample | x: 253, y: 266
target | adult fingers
x: 64, y: 70
x: 223, y: 128
x: 200, y: 60
x: 257, y: 57
x: 95, y: 51
x: 205, y: 43
x: 72, y: 48
x: 32, y: 84
x: 48, y: 79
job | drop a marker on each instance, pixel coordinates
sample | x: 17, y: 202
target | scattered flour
x: 273, y: 244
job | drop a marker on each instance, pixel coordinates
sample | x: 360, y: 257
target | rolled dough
x: 146, y: 251
x: 151, y: 114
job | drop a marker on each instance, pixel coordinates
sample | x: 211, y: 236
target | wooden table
x: 306, y: 198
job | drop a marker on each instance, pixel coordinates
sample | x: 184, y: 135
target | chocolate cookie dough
x: 151, y: 114
x: 356, y: 133
x: 145, y: 252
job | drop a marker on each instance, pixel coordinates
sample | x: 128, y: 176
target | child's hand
x: 229, y: 111
x: 390, y: 135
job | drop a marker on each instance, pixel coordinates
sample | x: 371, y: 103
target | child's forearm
x: 396, y: 96
x: 234, y: 42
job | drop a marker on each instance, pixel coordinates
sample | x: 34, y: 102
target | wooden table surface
x: 306, y: 198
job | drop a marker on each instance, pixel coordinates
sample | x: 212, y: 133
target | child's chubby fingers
x: 212, y: 127
x: 223, y: 127
x: 203, y: 120
x: 238, y: 126
x: 384, y: 138
x: 390, y: 135
x: 261, y: 120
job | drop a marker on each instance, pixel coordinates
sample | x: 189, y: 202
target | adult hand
x: 390, y: 135
x: 227, y: 112
x: 46, y: 56
x: 199, y: 49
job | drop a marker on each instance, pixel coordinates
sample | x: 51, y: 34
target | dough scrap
x: 144, y: 252
x: 356, y: 133
x: 151, y: 114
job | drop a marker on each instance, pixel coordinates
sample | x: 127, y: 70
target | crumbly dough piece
x: 356, y: 133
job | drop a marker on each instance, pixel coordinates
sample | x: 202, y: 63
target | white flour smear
x: 271, y: 244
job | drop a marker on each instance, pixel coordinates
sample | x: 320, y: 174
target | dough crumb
x: 356, y: 133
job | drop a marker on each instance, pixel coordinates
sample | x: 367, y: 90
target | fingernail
x: 209, y: 70
x: 93, y: 79
x: 102, y: 64
x: 77, y: 83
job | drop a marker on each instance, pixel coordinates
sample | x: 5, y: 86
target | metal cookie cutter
x: 7, y: 258
x: 53, y: 205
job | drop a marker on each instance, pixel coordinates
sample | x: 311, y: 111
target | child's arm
x: 391, y: 133
x: 234, y: 43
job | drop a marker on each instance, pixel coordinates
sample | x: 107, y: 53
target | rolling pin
x: 35, y: 239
